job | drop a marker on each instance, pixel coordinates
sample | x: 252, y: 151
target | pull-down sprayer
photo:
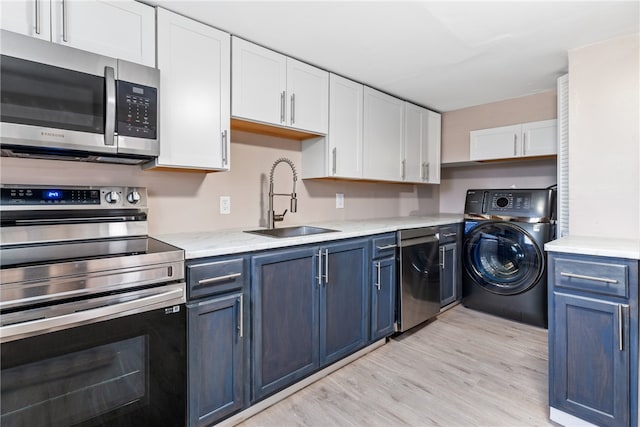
x: 272, y: 217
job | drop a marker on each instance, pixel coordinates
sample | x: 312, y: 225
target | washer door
x: 502, y: 258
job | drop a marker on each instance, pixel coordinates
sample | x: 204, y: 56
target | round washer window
x: 502, y: 258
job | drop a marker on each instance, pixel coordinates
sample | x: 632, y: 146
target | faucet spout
x: 272, y: 217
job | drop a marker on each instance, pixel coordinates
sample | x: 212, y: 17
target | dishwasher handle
x: 419, y: 240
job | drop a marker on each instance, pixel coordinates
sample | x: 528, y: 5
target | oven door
x: 124, y: 371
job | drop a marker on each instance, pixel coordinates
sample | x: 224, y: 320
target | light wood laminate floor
x: 464, y: 369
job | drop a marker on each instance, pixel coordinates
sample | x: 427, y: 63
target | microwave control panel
x: 137, y: 110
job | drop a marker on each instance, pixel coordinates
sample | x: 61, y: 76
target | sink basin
x: 297, y: 231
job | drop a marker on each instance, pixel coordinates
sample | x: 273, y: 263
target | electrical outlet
x: 225, y: 205
x: 339, y: 201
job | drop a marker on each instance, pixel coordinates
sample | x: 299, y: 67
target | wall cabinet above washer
x: 270, y: 88
x: 521, y: 140
x: 119, y: 29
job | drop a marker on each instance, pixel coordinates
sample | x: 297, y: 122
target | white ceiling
x: 443, y: 55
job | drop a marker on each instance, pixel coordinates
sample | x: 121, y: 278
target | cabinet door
x: 589, y: 344
x: 540, y: 138
x: 284, y: 295
x: 344, y: 302
x: 28, y: 17
x: 120, y: 29
x: 383, y: 136
x: 415, y: 143
x: 448, y: 285
x: 495, y: 143
x: 194, y: 62
x: 215, y: 367
x: 434, y: 139
x: 307, y: 97
x: 259, y: 83
x: 383, y: 297
x: 345, y: 127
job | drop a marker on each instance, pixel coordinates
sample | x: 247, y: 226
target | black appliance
x: 503, y: 258
x: 64, y: 103
x: 419, y: 277
x: 93, y: 325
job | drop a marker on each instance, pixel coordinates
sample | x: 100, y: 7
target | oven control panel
x: 36, y: 197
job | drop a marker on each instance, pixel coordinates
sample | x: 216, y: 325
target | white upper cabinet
x: 195, y: 71
x: 540, y: 138
x: 521, y: 140
x: 383, y: 136
x: 271, y: 88
x: 28, y: 17
x: 339, y: 154
x: 120, y: 29
x: 421, y: 150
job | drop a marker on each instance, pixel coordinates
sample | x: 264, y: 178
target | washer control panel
x: 510, y: 201
x: 538, y: 204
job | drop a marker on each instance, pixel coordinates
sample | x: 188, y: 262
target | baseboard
x: 567, y: 420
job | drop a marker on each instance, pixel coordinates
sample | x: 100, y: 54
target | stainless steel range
x: 92, y: 325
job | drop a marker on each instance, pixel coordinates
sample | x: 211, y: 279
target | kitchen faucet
x: 272, y: 216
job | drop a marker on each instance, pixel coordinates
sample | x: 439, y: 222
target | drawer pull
x: 219, y: 279
x: 382, y: 248
x: 449, y: 234
x: 581, y: 276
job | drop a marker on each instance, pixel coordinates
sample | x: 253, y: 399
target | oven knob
x: 112, y: 197
x: 133, y: 197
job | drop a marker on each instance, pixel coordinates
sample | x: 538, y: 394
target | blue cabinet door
x: 590, y: 359
x: 284, y: 294
x: 383, y: 297
x: 215, y: 361
x: 344, y: 302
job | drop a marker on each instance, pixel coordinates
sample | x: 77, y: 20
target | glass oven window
x: 43, y: 95
x: 77, y: 386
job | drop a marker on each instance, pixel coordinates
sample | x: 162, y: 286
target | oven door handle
x: 41, y: 326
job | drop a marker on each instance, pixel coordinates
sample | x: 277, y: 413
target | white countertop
x: 599, y: 246
x: 231, y: 241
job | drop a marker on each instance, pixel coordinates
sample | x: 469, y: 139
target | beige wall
x: 457, y: 124
x: 189, y: 201
x: 604, y: 143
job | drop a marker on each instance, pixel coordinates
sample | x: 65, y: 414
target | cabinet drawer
x: 594, y: 274
x: 215, y: 277
x: 383, y: 245
x: 448, y: 233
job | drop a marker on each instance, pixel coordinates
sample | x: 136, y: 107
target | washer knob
x: 133, y: 197
x: 112, y: 197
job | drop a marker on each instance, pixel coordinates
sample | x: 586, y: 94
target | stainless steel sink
x: 297, y: 231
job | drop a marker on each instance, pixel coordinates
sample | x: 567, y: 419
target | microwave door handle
x: 110, y: 113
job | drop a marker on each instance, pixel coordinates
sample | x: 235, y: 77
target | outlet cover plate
x: 225, y: 205
x: 339, y: 201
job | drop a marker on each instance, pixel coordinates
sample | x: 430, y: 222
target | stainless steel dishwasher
x: 419, y: 277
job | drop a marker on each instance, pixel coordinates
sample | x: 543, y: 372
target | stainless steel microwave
x: 65, y: 103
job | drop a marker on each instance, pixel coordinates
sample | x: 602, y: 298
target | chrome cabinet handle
x: 334, y: 153
x: 382, y: 248
x: 592, y: 278
x: 515, y: 144
x: 110, y: 114
x: 378, y: 268
x: 319, y: 266
x: 524, y: 143
x: 426, y: 174
x: 219, y: 279
x: 225, y: 159
x: 37, y: 11
x: 444, y: 259
x: 241, y: 320
x: 64, y: 21
x: 326, y: 266
x: 282, y: 95
x: 403, y: 169
x: 293, y: 108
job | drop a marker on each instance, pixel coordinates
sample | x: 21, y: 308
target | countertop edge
x: 596, y: 246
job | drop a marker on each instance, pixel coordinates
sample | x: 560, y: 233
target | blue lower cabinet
x: 309, y: 309
x: 216, y: 363
x: 593, y: 338
x: 383, y: 297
